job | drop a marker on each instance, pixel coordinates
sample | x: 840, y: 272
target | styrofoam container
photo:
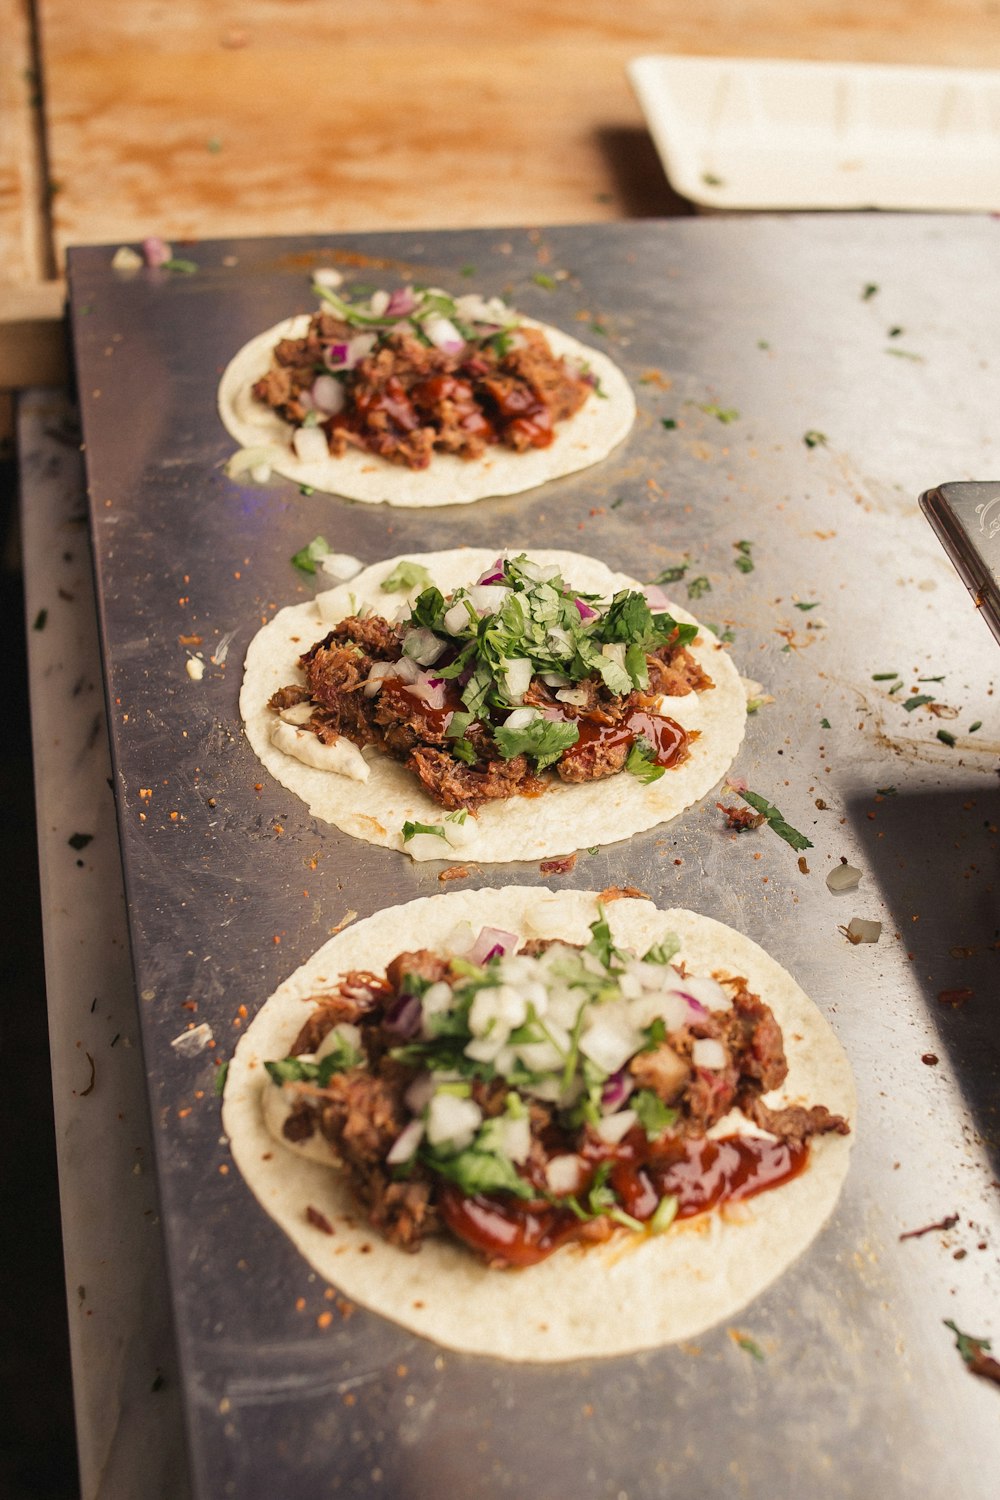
x: 740, y: 133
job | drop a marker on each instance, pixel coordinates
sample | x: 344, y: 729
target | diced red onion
x: 401, y: 302
x: 698, y: 1011
x: 156, y: 252
x: 404, y: 1016
x: 490, y: 942
x: 655, y: 597
x: 429, y: 690
x: 585, y: 611
x: 616, y: 1091
x: 335, y: 356
x: 493, y: 574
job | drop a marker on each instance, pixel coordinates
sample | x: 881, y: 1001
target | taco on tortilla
x: 594, y: 1129
x: 418, y: 398
x: 508, y: 708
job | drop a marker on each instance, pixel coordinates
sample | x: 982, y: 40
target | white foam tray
x: 738, y: 133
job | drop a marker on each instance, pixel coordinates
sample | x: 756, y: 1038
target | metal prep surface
x: 820, y: 372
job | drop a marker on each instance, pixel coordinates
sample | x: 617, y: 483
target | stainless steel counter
x: 821, y: 373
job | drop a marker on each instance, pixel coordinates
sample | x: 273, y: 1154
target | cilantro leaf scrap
x: 774, y: 819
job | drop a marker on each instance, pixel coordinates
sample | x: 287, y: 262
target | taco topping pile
x: 413, y: 372
x: 524, y: 1098
x: 481, y: 692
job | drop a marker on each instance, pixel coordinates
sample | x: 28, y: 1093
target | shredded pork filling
x: 407, y: 399
x: 495, y: 1097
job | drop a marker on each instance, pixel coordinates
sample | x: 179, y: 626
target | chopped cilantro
x: 724, y: 633
x: 814, y: 438
x: 763, y: 344
x: 893, y: 333
x: 654, y: 1116
x: 184, y: 267
x: 884, y: 676
x: 306, y: 489
x: 669, y: 423
x: 825, y: 724
x: 465, y: 750
x: 723, y: 414
x: 600, y: 940
x: 932, y: 679
x: 918, y: 701
x: 699, y: 586
x: 616, y: 503
x: 977, y: 725
x: 543, y: 739
x: 410, y: 830
x: 745, y: 1342
x: 593, y: 848
x: 664, y: 1214
x: 969, y: 1348
x: 300, y: 1070
x: 907, y: 354
x: 311, y: 553
x: 774, y: 819
x: 804, y: 606
x: 467, y: 271
x: 945, y: 737
x: 479, y: 1172
x: 897, y: 687
x: 542, y: 279
x: 744, y: 561
x: 671, y: 575
x: 711, y: 180
x: 663, y: 951
x: 869, y: 291
x: 404, y: 577
x: 221, y: 1074
x: 598, y: 328
x: 642, y: 762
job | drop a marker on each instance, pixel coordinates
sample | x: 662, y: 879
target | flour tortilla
x: 587, y: 437
x: 632, y: 1293
x: 566, y: 816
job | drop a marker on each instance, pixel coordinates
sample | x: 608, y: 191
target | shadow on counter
x: 937, y: 854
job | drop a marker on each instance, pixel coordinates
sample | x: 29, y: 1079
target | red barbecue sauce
x: 701, y: 1173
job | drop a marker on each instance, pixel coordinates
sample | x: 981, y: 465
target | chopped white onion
x: 564, y: 1174
x: 577, y: 697
x: 344, y: 1032
x: 456, y: 618
x: 843, y: 878
x: 517, y: 678
x: 422, y: 645
x: 340, y: 565
x: 610, y: 1038
x: 328, y: 276
x: 379, y: 672
x: 443, y: 335
x: 452, y: 1120
x: 517, y: 1138
x: 404, y: 1147
x: 328, y: 394
x: 378, y: 303
x: 310, y: 444
x: 860, y: 930
x: 539, y: 572
x: 707, y: 1052
x: 488, y: 598
x: 429, y: 690
x: 613, y: 1128
x: 249, y: 460
x: 298, y: 714
x: 520, y: 718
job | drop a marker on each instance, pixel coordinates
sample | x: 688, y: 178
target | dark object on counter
x: 966, y: 519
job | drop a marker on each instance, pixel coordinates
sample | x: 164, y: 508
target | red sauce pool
x: 701, y: 1173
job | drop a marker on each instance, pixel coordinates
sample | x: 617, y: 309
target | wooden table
x: 216, y: 117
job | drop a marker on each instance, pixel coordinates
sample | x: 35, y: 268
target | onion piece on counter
x: 861, y: 930
x: 843, y: 877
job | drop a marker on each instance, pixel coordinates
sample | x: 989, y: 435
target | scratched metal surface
x: 876, y: 335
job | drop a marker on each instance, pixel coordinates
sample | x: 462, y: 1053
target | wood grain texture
x: 297, y: 116
x: 22, y: 227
